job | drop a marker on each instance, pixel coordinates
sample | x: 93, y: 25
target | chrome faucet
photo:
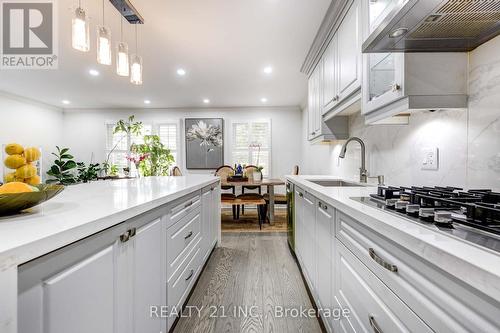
x: 363, y: 173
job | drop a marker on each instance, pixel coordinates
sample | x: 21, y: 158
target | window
x: 167, y: 132
x: 252, y: 144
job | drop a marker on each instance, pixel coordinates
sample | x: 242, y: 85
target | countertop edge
x: 26, y: 252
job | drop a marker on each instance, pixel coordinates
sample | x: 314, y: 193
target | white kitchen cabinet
x: 330, y: 82
x: 394, y: 83
x: 105, y: 283
x: 309, y: 257
x: 210, y: 219
x: 349, y: 53
x: 148, y: 277
x: 323, y: 242
x: 372, y: 306
x: 299, y: 223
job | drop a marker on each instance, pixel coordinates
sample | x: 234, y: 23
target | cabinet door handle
x: 336, y: 98
x: 395, y: 87
x: 125, y: 236
x: 190, y: 275
x: 132, y: 232
x: 188, y: 235
x: 382, y: 262
x: 301, y: 195
x: 188, y: 204
x: 374, y: 325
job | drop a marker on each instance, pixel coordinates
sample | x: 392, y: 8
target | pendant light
x: 122, y: 64
x: 80, y: 30
x: 103, y: 42
x: 136, y: 65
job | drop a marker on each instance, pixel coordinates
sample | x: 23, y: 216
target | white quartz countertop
x: 477, y: 266
x: 84, y: 209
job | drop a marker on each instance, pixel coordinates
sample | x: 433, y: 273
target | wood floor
x: 252, y: 274
x: 249, y: 222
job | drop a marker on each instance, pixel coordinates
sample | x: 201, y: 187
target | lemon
x: 10, y: 177
x: 14, y: 149
x: 32, y: 154
x: 35, y: 180
x: 14, y: 161
x: 15, y: 187
x: 26, y: 171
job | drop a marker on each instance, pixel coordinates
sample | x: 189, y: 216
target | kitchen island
x: 390, y: 273
x: 96, y: 255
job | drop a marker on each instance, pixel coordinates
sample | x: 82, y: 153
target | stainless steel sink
x: 336, y: 183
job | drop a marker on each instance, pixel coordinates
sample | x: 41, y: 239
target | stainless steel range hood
x: 435, y: 26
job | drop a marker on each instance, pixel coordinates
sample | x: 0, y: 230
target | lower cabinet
x: 378, y: 284
x: 119, y: 279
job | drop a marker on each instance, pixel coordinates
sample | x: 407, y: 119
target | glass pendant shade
x: 80, y: 31
x: 122, y: 64
x: 136, y: 70
x: 103, y: 45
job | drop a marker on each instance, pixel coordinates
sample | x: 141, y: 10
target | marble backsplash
x: 468, y: 139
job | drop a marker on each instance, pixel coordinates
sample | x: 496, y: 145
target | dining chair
x: 176, y: 172
x: 250, y: 169
x: 224, y: 172
x: 253, y: 199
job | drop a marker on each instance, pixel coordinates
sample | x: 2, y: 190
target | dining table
x: 270, y: 183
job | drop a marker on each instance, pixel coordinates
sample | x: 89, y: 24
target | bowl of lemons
x: 22, y: 164
x: 18, y: 196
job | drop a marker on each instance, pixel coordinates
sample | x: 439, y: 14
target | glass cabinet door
x: 381, y: 74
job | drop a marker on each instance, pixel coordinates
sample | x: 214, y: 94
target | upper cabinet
x: 395, y: 83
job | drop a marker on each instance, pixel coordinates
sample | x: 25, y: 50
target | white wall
x: 84, y: 133
x: 30, y: 124
x: 468, y: 140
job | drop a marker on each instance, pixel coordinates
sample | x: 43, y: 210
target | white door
x: 330, y: 76
x: 309, y: 239
x: 80, y: 298
x: 349, y: 52
x: 149, y: 282
x: 324, y: 223
x: 216, y: 219
x: 206, y: 221
x: 299, y: 223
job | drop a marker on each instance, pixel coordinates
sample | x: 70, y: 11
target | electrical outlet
x: 430, y: 159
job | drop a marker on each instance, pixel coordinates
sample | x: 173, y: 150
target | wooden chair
x: 223, y: 172
x: 250, y: 169
x: 176, y: 172
x: 253, y: 199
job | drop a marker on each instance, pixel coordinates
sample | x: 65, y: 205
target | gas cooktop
x: 472, y: 215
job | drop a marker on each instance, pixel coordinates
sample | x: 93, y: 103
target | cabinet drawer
x: 181, y: 284
x: 373, y: 307
x: 180, y: 237
x: 183, y: 207
x: 442, y: 301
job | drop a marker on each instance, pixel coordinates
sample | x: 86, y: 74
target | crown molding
x: 328, y: 28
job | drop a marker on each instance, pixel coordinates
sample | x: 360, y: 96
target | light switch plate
x: 430, y: 158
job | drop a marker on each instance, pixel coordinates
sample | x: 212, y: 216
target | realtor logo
x: 28, y: 34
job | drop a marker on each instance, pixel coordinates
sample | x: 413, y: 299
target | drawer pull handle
x: 188, y: 235
x: 374, y: 325
x: 125, y: 236
x: 132, y: 232
x: 188, y: 204
x: 190, y: 275
x: 382, y: 262
x: 301, y: 195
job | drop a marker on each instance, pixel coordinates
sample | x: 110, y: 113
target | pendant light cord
x: 121, y: 29
x: 103, y: 13
x: 136, y: 39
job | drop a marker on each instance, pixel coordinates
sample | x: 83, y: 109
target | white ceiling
x: 223, y: 45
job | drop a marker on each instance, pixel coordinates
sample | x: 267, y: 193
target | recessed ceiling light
x: 147, y: 101
x: 263, y: 100
x: 206, y: 101
x: 94, y: 72
x: 65, y: 101
x: 181, y: 72
x: 268, y: 70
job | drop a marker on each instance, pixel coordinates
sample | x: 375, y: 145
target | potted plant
x: 62, y: 172
x: 154, y: 158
